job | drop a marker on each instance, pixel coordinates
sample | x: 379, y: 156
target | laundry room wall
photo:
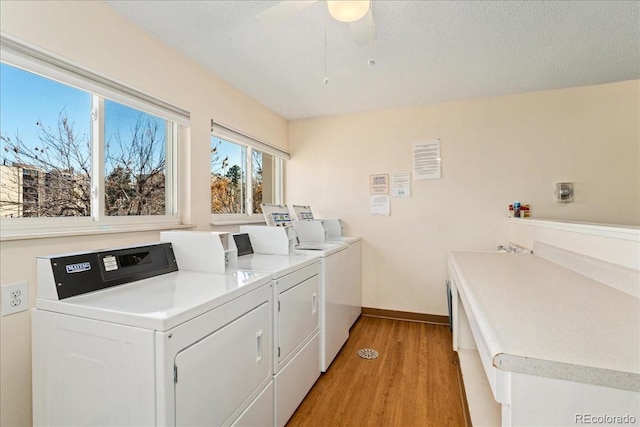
x: 494, y: 151
x: 92, y: 35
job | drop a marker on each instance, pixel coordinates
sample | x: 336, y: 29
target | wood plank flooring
x: 414, y: 381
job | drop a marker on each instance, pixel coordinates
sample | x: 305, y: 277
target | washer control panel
x: 82, y: 273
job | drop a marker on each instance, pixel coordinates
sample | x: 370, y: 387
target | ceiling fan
x: 357, y: 13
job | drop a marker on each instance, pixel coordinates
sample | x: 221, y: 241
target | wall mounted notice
x: 426, y: 159
x: 379, y: 184
x: 401, y: 185
x: 380, y: 206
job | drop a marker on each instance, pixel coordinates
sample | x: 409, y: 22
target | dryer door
x: 297, y: 317
x: 219, y: 376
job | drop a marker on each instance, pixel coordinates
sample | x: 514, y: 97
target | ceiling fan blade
x: 282, y: 11
x: 363, y: 30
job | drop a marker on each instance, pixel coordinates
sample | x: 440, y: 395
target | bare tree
x: 256, y: 181
x: 135, y: 179
x: 53, y: 177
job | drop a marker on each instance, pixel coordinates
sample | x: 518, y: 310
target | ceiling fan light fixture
x: 348, y: 10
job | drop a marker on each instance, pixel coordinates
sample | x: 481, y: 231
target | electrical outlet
x: 15, y: 298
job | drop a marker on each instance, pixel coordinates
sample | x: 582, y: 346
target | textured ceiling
x: 425, y: 51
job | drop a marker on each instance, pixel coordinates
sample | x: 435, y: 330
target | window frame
x: 18, y: 54
x: 251, y: 144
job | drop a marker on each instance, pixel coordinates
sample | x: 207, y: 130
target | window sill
x: 236, y: 221
x: 87, y: 231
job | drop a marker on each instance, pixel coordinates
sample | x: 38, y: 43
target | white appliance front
x: 208, y: 390
x: 296, y: 357
x: 334, y: 301
x: 353, y: 274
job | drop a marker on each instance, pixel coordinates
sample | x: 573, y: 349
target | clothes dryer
x: 296, y: 323
x: 122, y: 338
x: 333, y: 311
x: 295, y: 280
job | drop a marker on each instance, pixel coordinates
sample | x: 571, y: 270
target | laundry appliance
x: 121, y: 337
x: 279, y: 237
x: 312, y: 230
x: 295, y: 282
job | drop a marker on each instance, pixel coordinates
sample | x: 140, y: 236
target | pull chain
x: 326, y: 17
x: 372, y: 60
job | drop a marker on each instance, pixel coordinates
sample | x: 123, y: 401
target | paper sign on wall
x: 426, y: 159
x: 379, y: 184
x: 380, y: 206
x: 401, y: 185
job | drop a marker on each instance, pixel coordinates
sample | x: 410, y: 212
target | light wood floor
x: 414, y: 381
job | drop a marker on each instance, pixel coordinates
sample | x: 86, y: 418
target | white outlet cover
x: 15, y: 298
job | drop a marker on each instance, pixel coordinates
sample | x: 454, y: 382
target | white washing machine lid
x: 321, y: 249
x: 277, y: 265
x: 159, y: 303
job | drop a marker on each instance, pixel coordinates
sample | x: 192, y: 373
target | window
x: 45, y: 138
x: 135, y: 162
x: 74, y: 144
x: 245, y: 173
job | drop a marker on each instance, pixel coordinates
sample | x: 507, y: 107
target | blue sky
x: 27, y: 99
x: 231, y: 150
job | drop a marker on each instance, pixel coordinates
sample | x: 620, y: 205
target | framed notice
x: 426, y: 159
x: 379, y: 184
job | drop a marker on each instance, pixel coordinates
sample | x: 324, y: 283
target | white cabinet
x: 532, y: 349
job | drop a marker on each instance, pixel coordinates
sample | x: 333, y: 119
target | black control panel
x: 243, y: 244
x: 91, y: 271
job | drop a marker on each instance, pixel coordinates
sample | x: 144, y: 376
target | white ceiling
x: 425, y: 51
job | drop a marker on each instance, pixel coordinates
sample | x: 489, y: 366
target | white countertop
x: 539, y: 318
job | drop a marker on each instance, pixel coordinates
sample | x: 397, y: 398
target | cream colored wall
x: 494, y: 151
x: 92, y: 35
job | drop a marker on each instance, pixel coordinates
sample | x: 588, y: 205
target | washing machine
x: 295, y: 280
x: 121, y: 337
x: 330, y: 231
x: 279, y: 237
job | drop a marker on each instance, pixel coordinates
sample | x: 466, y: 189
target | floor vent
x: 368, y: 353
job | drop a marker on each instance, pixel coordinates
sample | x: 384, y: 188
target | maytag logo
x: 77, y: 268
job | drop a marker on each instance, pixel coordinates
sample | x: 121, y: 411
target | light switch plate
x: 15, y: 298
